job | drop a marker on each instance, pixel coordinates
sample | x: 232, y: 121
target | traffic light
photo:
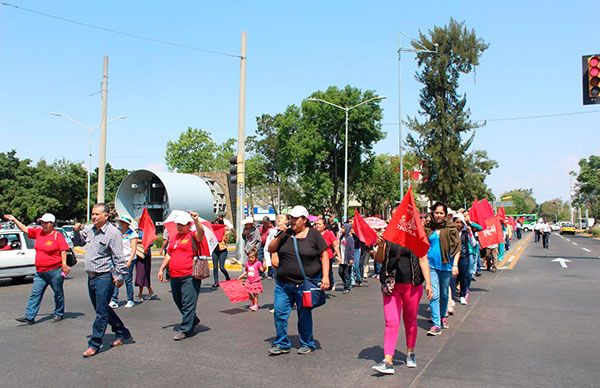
x: 591, y: 79
x: 233, y: 169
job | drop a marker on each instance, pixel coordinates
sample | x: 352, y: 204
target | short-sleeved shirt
x: 329, y: 239
x: 253, y: 271
x: 47, y: 249
x: 182, y: 254
x: 310, y: 249
x: 127, y: 237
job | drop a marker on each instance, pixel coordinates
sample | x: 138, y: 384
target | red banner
x: 405, y: 227
x: 501, y: 213
x: 235, y: 290
x: 492, y: 234
x: 364, y: 232
x: 146, y: 225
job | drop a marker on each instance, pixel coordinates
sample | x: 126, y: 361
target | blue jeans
x: 101, y: 288
x: 356, y: 275
x: 286, y: 294
x: 41, y: 280
x: 218, y: 259
x: 440, y: 282
x: 464, y: 276
x: 473, y: 262
x: 128, y: 282
x: 185, y: 295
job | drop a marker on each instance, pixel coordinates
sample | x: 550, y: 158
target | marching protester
x: 443, y: 257
x: 219, y: 255
x: 346, y: 258
x: 50, y: 266
x: 179, y: 259
x: 130, y: 241
x: 143, y: 272
x: 402, y: 275
x: 467, y: 241
x: 105, y: 265
x: 301, y: 252
x: 251, y: 273
x: 271, y: 258
x: 252, y: 238
x: 333, y: 246
x: 545, y: 231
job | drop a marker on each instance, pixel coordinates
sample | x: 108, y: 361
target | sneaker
x: 478, y: 273
x: 463, y: 300
x: 151, y: 296
x: 411, y: 360
x: 445, y: 324
x: 276, y: 351
x: 435, y: 330
x: 130, y: 304
x: 272, y: 311
x: 451, y: 311
x: 57, y: 319
x: 25, y: 320
x: 254, y: 307
x: 113, y: 305
x: 138, y: 300
x: 179, y: 336
x: 346, y: 291
x: 214, y: 286
x: 384, y: 368
x: 304, y: 350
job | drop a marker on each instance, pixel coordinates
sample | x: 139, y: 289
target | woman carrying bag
x: 302, y: 254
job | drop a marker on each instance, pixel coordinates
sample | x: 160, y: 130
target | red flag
x: 146, y: 225
x: 492, y: 234
x: 235, y: 290
x: 484, y: 211
x: 219, y: 230
x: 364, y: 232
x: 405, y: 227
x: 473, y: 216
x: 501, y: 213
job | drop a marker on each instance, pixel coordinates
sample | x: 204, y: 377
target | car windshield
x: 567, y: 225
x: 9, y: 241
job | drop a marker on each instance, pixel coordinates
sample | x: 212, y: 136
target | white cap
x: 248, y: 220
x: 48, y: 218
x: 460, y: 216
x: 541, y: 219
x: 299, y: 211
x: 182, y: 218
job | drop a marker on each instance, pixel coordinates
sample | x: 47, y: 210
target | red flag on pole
x: 235, y: 290
x: 492, y: 234
x: 473, y: 216
x: 146, y: 225
x: 406, y: 228
x: 219, y: 230
x: 501, y: 213
x: 364, y: 232
x: 484, y: 211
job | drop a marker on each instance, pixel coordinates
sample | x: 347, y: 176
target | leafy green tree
x: 443, y: 140
x: 112, y: 180
x: 196, y: 151
x: 588, y: 185
x: 255, y: 179
x: 555, y: 210
x: 522, y: 199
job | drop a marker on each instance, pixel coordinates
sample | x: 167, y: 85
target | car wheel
x: 18, y: 279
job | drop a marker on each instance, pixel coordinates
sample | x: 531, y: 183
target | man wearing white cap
x: 251, y: 236
x: 50, y: 264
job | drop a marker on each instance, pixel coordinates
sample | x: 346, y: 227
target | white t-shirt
x: 127, y: 237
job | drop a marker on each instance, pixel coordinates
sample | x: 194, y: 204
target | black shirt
x: 310, y: 249
x: 399, y: 259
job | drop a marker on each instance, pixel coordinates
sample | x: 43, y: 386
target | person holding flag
x: 402, y: 252
x: 143, y: 265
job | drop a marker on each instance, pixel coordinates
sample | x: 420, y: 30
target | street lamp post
x: 90, y: 131
x: 400, y: 51
x: 346, y: 109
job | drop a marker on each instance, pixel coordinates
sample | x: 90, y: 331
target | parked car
x: 68, y: 229
x: 556, y: 226
x: 528, y: 227
x: 66, y: 236
x: 567, y: 227
x: 17, y: 259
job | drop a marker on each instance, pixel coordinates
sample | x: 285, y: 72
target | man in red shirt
x: 50, y: 265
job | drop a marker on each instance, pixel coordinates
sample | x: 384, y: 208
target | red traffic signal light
x: 591, y: 79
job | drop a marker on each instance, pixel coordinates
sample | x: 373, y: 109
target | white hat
x: 460, y: 216
x: 48, y: 217
x: 248, y: 220
x: 541, y: 219
x: 182, y: 218
x: 299, y: 211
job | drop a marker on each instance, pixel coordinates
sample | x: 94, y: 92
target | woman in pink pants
x: 402, y: 276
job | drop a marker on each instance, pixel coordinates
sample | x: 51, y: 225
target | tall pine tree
x: 443, y: 140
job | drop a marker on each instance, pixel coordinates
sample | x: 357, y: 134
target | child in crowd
x: 251, y: 273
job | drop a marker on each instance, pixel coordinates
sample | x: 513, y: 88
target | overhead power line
x: 130, y: 35
x: 48, y: 110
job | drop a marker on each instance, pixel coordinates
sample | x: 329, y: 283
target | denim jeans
x: 473, y: 262
x: 440, y: 283
x: 127, y: 282
x: 356, y: 275
x: 345, y: 274
x: 41, y: 280
x: 464, y: 276
x: 377, y: 268
x: 101, y: 288
x: 286, y: 295
x: 185, y: 294
x: 218, y: 259
x: 364, y: 259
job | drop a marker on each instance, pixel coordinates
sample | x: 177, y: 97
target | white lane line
x: 568, y: 240
x: 511, y: 259
x: 574, y: 243
x: 585, y: 249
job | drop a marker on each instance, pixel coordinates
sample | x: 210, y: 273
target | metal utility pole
x: 400, y: 51
x: 102, y: 158
x: 241, y: 145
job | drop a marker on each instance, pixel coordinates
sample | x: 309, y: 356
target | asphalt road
x: 530, y: 326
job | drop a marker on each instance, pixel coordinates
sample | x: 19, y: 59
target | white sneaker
x: 113, y: 305
x: 151, y: 296
x: 130, y: 304
x: 463, y: 300
x: 138, y: 300
x: 411, y: 360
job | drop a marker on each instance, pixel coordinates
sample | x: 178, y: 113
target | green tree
x: 443, y: 140
x: 522, y: 199
x: 196, y: 151
x: 588, y: 185
x: 555, y: 210
x: 113, y: 178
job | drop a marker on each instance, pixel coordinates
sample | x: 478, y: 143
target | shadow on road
x: 295, y: 340
x: 375, y: 354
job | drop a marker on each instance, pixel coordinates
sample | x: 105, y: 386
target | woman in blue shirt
x: 443, y: 255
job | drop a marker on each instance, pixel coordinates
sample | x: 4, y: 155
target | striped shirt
x: 104, y: 249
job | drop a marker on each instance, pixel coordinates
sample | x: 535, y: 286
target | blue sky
x: 533, y: 67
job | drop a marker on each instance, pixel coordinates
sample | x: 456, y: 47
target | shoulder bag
x: 200, y: 268
x: 312, y: 295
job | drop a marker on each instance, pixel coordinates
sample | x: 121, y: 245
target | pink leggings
x: 404, y: 300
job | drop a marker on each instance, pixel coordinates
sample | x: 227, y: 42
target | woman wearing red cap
x: 50, y: 266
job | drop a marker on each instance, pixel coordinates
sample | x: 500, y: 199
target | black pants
x: 185, y: 295
x: 518, y: 234
x: 331, y: 278
x: 546, y: 239
x: 537, y: 235
x: 218, y: 259
x: 345, y: 272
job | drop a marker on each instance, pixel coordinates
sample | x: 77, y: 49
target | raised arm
x: 14, y: 220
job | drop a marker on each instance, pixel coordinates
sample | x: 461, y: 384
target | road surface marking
x: 563, y: 262
x: 574, y: 243
x: 518, y: 254
x: 568, y: 240
x: 585, y: 249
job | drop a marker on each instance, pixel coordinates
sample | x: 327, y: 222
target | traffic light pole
x: 241, y: 145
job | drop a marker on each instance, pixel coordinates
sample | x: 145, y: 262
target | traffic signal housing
x: 591, y: 79
x: 233, y: 169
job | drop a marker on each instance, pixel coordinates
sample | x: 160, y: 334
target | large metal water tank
x: 162, y: 192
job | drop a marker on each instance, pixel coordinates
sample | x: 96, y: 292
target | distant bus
x: 529, y: 219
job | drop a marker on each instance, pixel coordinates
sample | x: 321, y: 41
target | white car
x: 17, y: 257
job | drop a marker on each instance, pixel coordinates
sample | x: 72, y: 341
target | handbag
x: 312, y: 294
x: 200, y: 268
x: 71, y: 258
x: 139, y: 251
